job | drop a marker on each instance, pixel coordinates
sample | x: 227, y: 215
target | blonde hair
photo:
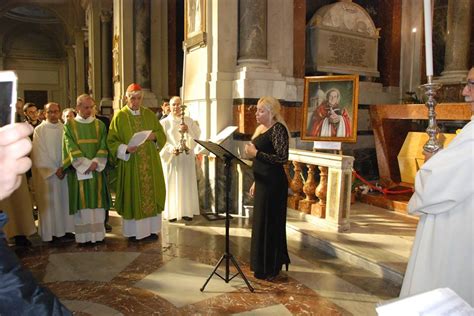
x: 274, y: 107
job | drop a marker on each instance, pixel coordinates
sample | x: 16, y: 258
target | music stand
x: 228, y: 158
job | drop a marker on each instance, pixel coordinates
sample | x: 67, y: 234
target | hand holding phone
x: 15, y: 145
x: 8, y: 97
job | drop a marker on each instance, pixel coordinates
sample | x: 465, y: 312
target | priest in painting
x: 84, y: 159
x: 140, y: 186
x: 48, y: 177
x: 443, y: 250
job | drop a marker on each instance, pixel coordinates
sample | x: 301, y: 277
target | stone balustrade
x: 330, y: 199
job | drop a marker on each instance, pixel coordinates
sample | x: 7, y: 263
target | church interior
x: 349, y: 240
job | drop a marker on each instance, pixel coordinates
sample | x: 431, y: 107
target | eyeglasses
x: 470, y: 84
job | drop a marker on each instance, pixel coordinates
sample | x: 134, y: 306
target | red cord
x: 382, y: 190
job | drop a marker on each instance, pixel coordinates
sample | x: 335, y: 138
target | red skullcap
x: 134, y: 87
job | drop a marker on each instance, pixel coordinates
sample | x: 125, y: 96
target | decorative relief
x: 342, y: 38
x: 115, y: 57
x: 347, y: 51
x: 345, y: 16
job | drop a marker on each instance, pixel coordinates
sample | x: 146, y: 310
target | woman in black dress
x: 269, y: 148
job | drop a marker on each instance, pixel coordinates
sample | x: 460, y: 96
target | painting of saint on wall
x: 330, y: 108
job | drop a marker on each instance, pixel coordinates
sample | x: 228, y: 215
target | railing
x: 330, y: 199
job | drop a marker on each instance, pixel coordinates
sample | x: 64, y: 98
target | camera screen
x: 6, y: 102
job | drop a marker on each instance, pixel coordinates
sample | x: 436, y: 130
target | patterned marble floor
x: 164, y: 277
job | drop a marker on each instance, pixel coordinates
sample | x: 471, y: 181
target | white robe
x: 443, y: 250
x: 51, y: 192
x: 180, y: 171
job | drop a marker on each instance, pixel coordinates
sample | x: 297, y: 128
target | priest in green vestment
x: 140, y: 186
x: 84, y: 159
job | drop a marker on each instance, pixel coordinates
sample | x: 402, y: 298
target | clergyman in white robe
x: 182, y: 199
x: 51, y: 191
x: 443, y: 250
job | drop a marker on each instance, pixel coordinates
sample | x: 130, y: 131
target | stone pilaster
x: 252, y: 32
x: 72, y: 84
x: 106, y: 56
x: 142, y: 50
x: 458, y: 35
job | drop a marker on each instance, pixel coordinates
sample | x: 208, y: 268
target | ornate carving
x: 345, y: 16
x: 116, y: 57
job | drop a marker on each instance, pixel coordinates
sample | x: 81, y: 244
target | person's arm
x: 280, y: 143
x: 71, y: 151
x: 115, y: 142
x: 102, y: 153
x: 42, y: 163
x: 445, y: 181
x: 14, y: 161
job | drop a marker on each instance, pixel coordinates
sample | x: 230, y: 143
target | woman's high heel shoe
x: 286, y: 266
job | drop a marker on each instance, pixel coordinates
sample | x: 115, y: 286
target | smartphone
x: 8, y: 97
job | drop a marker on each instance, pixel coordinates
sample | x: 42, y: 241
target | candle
x: 428, y: 38
x: 413, y: 35
x: 185, y: 52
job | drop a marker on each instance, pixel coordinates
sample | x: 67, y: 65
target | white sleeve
x: 101, y: 163
x: 81, y: 164
x: 122, y: 152
x: 446, y: 180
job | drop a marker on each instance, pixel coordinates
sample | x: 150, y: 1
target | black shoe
x: 55, y: 240
x: 187, y: 218
x: 153, y: 237
x: 68, y: 237
x: 108, y: 227
x: 172, y: 220
x: 22, y: 241
x: 132, y: 239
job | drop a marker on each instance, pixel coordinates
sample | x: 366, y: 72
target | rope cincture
x: 381, y: 190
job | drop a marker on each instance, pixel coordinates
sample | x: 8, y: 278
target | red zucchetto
x: 134, y: 87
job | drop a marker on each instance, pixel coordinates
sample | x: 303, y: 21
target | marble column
x: 71, y: 86
x: 80, y: 61
x: 142, y: 15
x: 142, y: 42
x: 252, y: 32
x: 458, y: 35
x: 106, y: 56
x: 87, y: 63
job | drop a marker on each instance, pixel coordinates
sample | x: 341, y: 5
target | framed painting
x: 194, y: 23
x: 330, y: 108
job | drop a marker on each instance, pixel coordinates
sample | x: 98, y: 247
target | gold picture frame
x: 194, y: 23
x: 330, y: 108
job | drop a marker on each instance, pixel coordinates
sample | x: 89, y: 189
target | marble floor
x: 164, y: 277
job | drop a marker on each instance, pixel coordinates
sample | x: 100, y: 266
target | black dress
x: 269, y: 250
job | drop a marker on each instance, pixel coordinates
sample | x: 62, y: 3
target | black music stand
x: 228, y: 158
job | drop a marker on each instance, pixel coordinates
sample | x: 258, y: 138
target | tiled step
x: 379, y: 241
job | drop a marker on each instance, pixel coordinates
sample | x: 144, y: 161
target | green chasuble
x: 140, y: 185
x: 85, y: 140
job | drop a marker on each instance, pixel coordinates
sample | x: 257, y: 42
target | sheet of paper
x: 139, y: 138
x: 83, y: 176
x: 327, y: 145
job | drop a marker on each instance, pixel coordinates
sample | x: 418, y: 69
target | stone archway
x: 36, y: 42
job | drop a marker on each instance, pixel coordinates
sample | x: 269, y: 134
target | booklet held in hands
x: 139, y: 138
